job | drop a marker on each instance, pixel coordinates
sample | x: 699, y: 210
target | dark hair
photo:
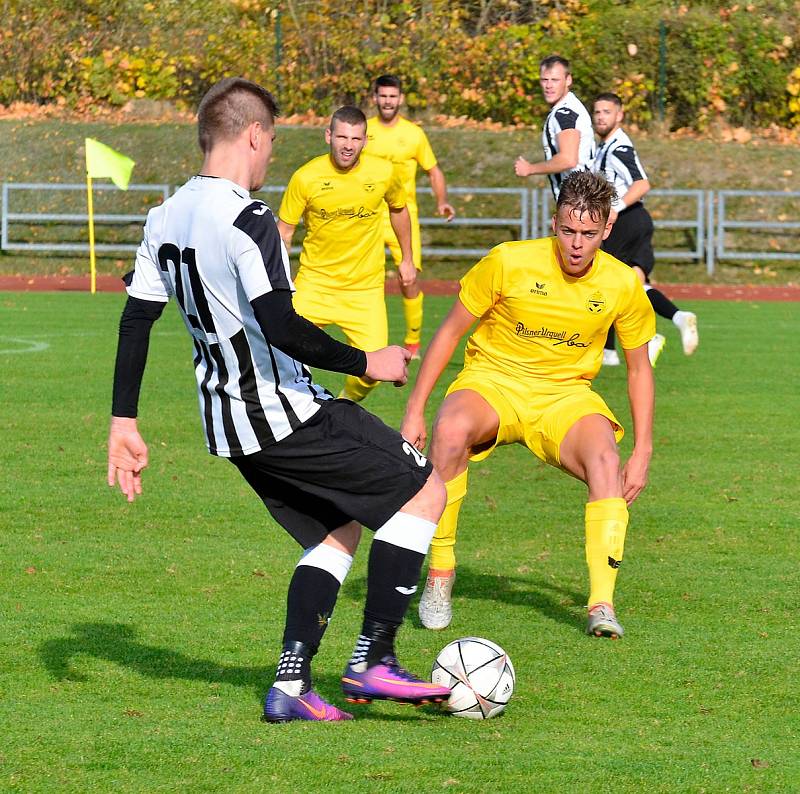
x: 349, y: 114
x: 552, y: 60
x: 388, y: 81
x: 231, y: 106
x: 608, y: 96
x: 584, y: 191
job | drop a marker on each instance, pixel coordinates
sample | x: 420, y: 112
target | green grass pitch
x: 137, y: 641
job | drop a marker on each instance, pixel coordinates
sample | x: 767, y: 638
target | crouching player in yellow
x: 341, y: 196
x: 544, y: 308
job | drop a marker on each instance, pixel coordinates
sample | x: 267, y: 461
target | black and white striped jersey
x: 568, y: 114
x: 617, y: 160
x: 215, y: 249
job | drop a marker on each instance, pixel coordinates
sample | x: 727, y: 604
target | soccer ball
x: 479, y: 674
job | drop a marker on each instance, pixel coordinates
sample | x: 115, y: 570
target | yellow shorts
x: 416, y: 238
x: 538, y: 418
x: 360, y: 314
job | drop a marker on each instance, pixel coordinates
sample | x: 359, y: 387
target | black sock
x: 610, y: 339
x: 392, y: 578
x: 662, y: 305
x: 309, y: 605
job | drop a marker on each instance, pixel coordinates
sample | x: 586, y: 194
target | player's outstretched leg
x: 395, y: 560
x: 436, y: 604
x: 312, y: 596
x: 606, y: 524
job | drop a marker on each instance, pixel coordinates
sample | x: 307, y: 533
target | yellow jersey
x: 405, y: 145
x: 343, y: 246
x: 536, y: 322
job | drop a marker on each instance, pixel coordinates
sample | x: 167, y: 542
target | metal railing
x: 707, y: 225
x: 8, y: 217
x: 725, y: 224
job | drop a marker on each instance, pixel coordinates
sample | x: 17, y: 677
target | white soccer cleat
x: 654, y: 348
x: 436, y: 605
x: 610, y: 358
x: 602, y: 622
x: 687, y: 325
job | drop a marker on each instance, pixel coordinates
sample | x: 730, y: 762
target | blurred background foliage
x: 683, y: 65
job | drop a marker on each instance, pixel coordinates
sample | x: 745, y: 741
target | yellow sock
x: 606, y: 522
x: 443, y: 557
x: 412, y: 308
x: 356, y: 389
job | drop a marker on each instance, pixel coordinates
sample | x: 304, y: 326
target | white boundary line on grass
x: 31, y: 345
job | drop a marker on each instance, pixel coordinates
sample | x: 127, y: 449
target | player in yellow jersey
x: 340, y: 196
x: 405, y: 144
x: 544, y: 309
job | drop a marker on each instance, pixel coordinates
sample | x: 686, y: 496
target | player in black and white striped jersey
x: 631, y: 238
x: 567, y: 135
x: 322, y: 467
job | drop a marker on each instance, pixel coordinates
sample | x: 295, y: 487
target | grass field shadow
x: 117, y: 643
x: 538, y: 593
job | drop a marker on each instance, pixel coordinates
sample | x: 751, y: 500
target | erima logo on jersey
x: 369, y: 187
x: 539, y: 289
x: 326, y: 185
x: 406, y: 590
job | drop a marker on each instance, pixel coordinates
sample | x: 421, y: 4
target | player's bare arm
x: 439, y: 188
x: 286, y: 232
x: 566, y: 158
x: 401, y: 224
x: 440, y: 351
x: 641, y: 395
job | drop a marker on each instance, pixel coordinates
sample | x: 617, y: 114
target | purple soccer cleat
x: 280, y: 707
x: 388, y: 681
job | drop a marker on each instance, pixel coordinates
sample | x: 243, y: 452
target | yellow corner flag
x: 103, y: 161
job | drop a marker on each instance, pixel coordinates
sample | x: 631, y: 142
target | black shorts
x: 343, y: 464
x: 631, y: 238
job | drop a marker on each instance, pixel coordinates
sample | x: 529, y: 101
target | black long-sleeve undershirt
x: 282, y: 327
x: 285, y: 329
x: 134, y: 340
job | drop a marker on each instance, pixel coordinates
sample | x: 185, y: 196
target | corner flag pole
x: 92, y: 261
x: 102, y: 161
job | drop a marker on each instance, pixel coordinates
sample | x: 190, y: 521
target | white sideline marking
x: 28, y: 345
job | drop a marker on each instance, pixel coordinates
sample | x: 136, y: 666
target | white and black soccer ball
x: 480, y: 677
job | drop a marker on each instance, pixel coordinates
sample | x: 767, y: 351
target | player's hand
x: 406, y: 272
x: 127, y: 456
x: 522, y: 167
x: 446, y: 210
x: 634, y: 477
x: 414, y: 431
x: 390, y: 364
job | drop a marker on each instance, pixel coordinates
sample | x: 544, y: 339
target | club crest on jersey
x: 596, y: 303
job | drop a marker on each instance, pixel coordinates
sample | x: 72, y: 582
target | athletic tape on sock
x: 337, y: 563
x: 407, y: 532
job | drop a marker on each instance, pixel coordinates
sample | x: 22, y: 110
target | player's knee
x: 451, y: 438
x: 430, y: 500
